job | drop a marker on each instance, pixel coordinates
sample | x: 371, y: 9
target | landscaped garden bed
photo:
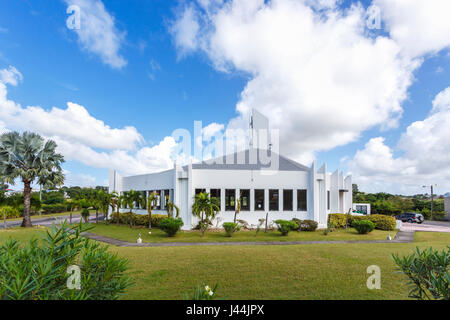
x: 125, y: 233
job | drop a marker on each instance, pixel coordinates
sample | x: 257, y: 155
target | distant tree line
x: 389, y: 204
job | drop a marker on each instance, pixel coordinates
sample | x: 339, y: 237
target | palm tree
x: 113, y: 203
x: 238, y: 208
x: 72, y: 204
x: 151, y: 203
x: 205, y: 208
x: 170, y: 207
x: 131, y: 198
x: 30, y: 158
x: 104, y: 199
x: 120, y: 204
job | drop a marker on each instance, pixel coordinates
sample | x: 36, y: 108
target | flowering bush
x: 202, y: 293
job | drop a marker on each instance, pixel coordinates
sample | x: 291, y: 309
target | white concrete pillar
x: 252, y: 200
x: 294, y: 200
x: 280, y: 199
x: 222, y: 200
x: 266, y: 200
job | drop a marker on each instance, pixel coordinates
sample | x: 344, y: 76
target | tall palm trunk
x: 26, y: 223
x: 118, y: 215
x: 150, y: 219
x: 96, y: 216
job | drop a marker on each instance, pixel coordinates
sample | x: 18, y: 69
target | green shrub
x: 285, y: 226
x: 382, y: 222
x: 308, y: 225
x: 39, y: 270
x: 427, y: 271
x: 85, y: 214
x: 54, y: 208
x: 230, y: 228
x: 10, y: 212
x: 363, y: 226
x: 171, y: 226
x: 338, y: 219
x: 139, y: 219
x: 298, y: 222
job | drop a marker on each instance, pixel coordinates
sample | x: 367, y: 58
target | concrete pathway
x: 401, y: 237
x: 431, y: 226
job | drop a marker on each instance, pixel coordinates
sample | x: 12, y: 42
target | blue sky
x: 173, y: 77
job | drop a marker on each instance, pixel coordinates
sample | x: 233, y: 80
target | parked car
x: 411, y: 217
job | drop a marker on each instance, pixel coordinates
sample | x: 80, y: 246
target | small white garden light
x: 139, y: 240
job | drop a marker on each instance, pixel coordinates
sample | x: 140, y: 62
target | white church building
x: 292, y: 190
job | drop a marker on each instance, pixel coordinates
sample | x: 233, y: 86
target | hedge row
x: 382, y: 222
x: 138, y: 219
x: 54, y: 208
x: 10, y: 212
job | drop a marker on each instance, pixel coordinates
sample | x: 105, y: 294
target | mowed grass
x: 315, y: 271
x: 125, y: 233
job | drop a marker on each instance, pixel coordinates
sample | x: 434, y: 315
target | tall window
x: 259, y: 200
x: 328, y: 200
x: 245, y: 200
x: 287, y: 200
x: 198, y: 191
x: 166, y: 197
x: 158, y: 201
x: 273, y: 200
x: 230, y: 199
x: 302, y: 202
x: 215, y: 194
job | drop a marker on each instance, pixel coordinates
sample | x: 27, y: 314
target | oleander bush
x: 230, y: 228
x: 171, y: 226
x: 43, y: 270
x: 308, y: 225
x: 285, y: 226
x: 427, y: 272
x: 363, y: 226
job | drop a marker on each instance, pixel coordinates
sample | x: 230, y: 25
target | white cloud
x: 98, y: 33
x: 10, y: 76
x: 419, y: 27
x: 318, y: 76
x: 424, y: 155
x: 211, y: 130
x: 81, y: 137
x: 184, y: 29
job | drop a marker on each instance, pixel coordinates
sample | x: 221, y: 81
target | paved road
x: 432, y: 226
x: 49, y: 221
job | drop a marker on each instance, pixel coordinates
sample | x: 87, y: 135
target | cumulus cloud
x: 424, y: 155
x: 10, y: 76
x: 98, y: 33
x: 419, y: 27
x: 317, y: 74
x: 81, y: 137
x: 184, y: 30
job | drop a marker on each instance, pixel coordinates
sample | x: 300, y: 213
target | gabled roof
x: 241, y: 161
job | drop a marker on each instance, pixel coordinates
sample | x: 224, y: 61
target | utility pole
x: 432, y: 198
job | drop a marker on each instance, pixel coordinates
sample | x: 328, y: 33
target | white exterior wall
x: 242, y: 179
x: 184, y: 181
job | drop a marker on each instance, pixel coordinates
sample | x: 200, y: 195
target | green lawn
x: 316, y: 271
x: 125, y: 233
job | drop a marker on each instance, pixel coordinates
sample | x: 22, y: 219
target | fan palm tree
x: 30, y: 158
x: 113, y: 203
x: 205, y: 208
x: 151, y: 203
